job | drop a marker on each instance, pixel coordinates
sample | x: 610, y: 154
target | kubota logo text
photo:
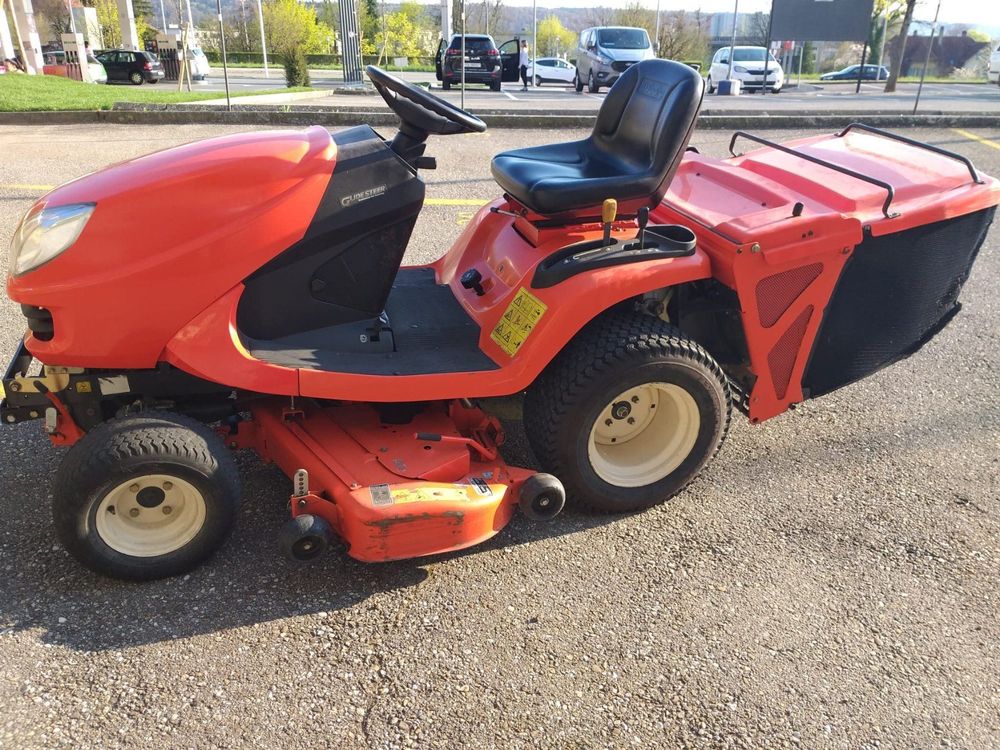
x: 350, y: 200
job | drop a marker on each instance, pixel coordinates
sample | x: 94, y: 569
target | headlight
x: 605, y: 60
x: 739, y: 69
x: 45, y: 232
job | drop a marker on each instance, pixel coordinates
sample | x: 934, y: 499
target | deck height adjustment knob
x: 472, y: 279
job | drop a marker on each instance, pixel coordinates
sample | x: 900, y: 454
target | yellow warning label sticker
x: 518, y: 321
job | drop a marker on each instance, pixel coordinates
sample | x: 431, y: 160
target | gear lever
x: 642, y: 217
x: 608, y: 212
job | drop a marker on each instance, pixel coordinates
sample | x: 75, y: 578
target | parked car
x: 994, y: 71
x: 484, y: 62
x: 605, y: 52
x: 552, y: 70
x: 55, y: 65
x: 850, y: 73
x: 748, y: 69
x: 135, y: 66
x: 198, y: 64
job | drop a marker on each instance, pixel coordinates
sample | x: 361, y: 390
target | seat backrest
x: 647, y: 118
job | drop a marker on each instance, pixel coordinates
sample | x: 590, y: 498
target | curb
x: 251, y: 115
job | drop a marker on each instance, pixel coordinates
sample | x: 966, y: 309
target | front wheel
x: 538, y: 81
x: 592, y: 86
x: 628, y: 413
x: 578, y: 83
x: 146, y: 496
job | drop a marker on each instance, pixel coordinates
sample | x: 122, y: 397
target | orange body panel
x: 134, y: 279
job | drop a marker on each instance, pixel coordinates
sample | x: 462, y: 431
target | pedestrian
x: 524, y: 65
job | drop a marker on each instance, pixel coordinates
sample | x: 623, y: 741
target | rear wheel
x: 146, y: 496
x: 711, y: 86
x: 445, y: 85
x: 628, y: 413
x: 495, y: 86
x: 592, y: 86
x: 136, y: 78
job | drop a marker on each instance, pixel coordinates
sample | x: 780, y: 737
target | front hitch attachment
x: 541, y: 497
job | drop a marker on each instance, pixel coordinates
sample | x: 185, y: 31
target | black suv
x: 484, y: 62
x: 134, y: 66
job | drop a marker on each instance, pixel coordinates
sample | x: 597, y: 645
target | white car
x: 994, y: 74
x: 198, y: 63
x: 551, y: 70
x: 748, y: 69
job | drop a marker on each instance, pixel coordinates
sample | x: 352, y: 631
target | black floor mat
x: 432, y: 331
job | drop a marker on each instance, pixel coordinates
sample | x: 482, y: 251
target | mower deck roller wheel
x: 304, y: 537
x: 541, y: 497
x: 628, y: 413
x: 146, y: 496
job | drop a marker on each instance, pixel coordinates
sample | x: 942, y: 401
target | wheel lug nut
x: 168, y: 485
x: 635, y: 399
x: 133, y: 488
x: 134, y: 512
x: 608, y: 422
x: 631, y: 420
x: 167, y: 510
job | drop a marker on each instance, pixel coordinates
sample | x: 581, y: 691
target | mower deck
x: 393, y: 485
x: 426, y: 331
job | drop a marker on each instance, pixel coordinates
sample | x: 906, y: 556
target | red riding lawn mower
x: 633, y: 290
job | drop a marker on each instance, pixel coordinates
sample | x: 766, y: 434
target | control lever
x: 642, y: 216
x: 608, y: 212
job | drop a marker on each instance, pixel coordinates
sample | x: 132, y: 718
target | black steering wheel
x: 420, y: 110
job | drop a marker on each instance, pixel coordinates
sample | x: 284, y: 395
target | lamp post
x: 263, y: 43
x: 927, y: 59
x: 222, y: 45
x: 732, y: 42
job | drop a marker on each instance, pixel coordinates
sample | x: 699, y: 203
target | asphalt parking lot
x: 830, y: 581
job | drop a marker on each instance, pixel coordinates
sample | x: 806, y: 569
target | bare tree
x: 899, y: 47
x: 682, y: 36
x: 757, y: 31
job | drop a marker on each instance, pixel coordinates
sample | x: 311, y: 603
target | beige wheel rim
x: 643, y: 434
x: 151, y: 515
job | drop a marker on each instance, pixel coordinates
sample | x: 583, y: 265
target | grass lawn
x: 23, y: 93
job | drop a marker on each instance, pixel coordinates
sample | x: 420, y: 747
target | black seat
x: 641, y: 132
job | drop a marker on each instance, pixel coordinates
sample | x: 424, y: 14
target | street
x: 830, y: 581
x: 831, y: 97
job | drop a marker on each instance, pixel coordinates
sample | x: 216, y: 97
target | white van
x: 605, y: 52
x: 748, y: 69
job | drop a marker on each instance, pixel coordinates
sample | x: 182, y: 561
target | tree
x: 757, y: 29
x: 292, y: 31
x: 885, y: 14
x: 553, y: 37
x: 634, y: 14
x: 683, y: 36
x: 899, y: 47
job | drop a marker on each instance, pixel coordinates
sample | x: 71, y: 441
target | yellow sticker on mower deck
x: 517, y: 322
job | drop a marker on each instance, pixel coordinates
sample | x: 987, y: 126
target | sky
x: 985, y: 12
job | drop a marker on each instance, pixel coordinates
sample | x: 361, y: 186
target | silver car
x: 605, y: 52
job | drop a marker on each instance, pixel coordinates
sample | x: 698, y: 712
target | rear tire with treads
x: 591, y: 417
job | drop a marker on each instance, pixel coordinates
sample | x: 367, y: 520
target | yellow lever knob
x: 609, y: 210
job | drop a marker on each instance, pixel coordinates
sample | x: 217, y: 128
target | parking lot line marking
x: 509, y: 95
x: 454, y: 202
x: 974, y: 137
x: 40, y: 188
